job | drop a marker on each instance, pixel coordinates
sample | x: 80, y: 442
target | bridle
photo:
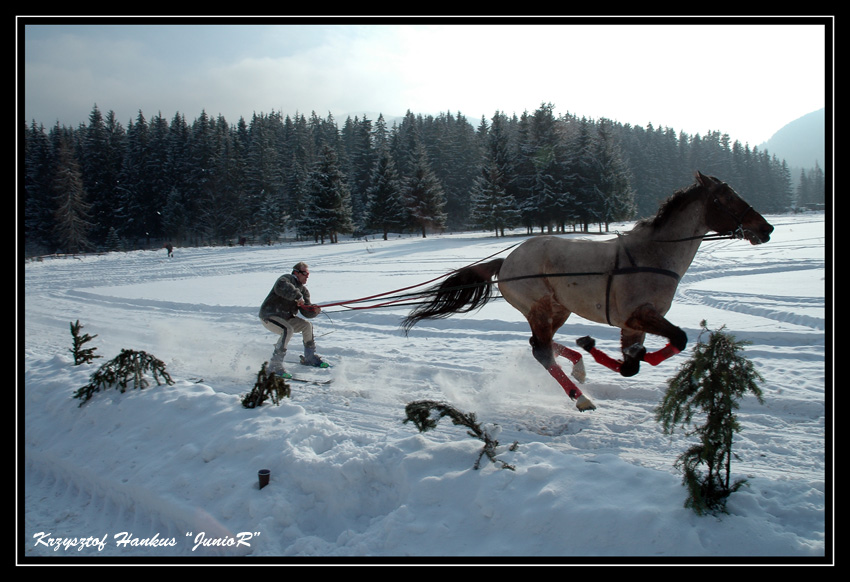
x: 738, y: 233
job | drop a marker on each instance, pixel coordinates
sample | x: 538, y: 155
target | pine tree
x: 175, y: 221
x: 99, y: 168
x: 133, y: 191
x: 818, y: 184
x: 424, y: 196
x: 264, y: 177
x: 113, y: 241
x: 525, y: 172
x: 405, y: 141
x: 72, y: 210
x: 710, y: 383
x: 361, y: 157
x: 587, y: 175
x: 329, y: 198
x: 455, y: 155
x: 82, y: 355
x: 546, y: 192
x: 811, y: 188
x: 38, y: 203
x: 492, y: 207
x: 179, y: 203
x: 271, y: 219
x: 614, y: 195
x: 384, y: 207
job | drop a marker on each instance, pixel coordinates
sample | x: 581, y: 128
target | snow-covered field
x: 169, y: 470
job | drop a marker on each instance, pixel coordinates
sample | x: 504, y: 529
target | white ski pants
x: 286, y: 328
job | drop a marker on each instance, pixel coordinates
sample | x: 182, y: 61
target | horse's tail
x: 465, y: 290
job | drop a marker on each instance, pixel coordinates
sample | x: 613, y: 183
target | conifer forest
x: 104, y: 187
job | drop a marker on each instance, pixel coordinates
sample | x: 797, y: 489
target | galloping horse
x: 626, y: 282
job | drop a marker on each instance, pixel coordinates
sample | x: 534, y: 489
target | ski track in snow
x: 478, y: 362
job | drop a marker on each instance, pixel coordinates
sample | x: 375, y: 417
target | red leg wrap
x: 605, y: 359
x: 656, y: 358
x: 571, y: 389
x: 566, y: 352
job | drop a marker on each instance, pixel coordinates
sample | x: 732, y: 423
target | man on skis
x: 287, y: 299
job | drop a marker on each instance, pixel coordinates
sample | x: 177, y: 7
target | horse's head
x: 728, y: 212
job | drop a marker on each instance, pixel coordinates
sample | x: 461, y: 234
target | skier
x: 170, y: 248
x: 279, y: 314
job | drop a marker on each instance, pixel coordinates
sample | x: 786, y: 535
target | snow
x: 171, y: 471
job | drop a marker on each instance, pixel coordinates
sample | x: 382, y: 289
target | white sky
x: 747, y: 80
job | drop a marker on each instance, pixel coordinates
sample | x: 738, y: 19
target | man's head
x: 301, y: 272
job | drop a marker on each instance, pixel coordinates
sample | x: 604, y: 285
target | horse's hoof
x: 586, y: 343
x: 629, y: 368
x: 583, y: 403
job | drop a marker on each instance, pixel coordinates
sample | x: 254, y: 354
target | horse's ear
x: 702, y: 179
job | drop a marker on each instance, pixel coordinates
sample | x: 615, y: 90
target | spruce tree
x: 99, y: 173
x: 492, y: 207
x: 39, y: 198
x: 329, y: 198
x: 709, y: 384
x: 424, y: 196
x: 82, y: 355
x: 72, y: 209
x: 614, y: 195
x: 384, y: 207
x: 361, y: 157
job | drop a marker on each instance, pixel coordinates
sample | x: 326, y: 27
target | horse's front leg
x: 643, y: 320
x: 646, y: 319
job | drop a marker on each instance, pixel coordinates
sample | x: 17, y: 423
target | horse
x: 626, y: 282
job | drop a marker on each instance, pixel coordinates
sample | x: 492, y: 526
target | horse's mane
x: 670, y: 207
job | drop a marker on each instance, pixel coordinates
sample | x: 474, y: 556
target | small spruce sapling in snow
x: 422, y: 414
x: 268, y: 385
x: 81, y: 355
x: 711, y: 383
x: 129, y: 365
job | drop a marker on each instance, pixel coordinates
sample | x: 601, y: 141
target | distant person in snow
x: 287, y: 299
x: 170, y: 248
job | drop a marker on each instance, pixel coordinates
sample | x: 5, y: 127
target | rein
x: 409, y: 295
x: 397, y: 296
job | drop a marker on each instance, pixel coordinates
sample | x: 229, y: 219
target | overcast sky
x: 744, y: 80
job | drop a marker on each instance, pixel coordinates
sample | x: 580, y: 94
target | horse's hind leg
x: 574, y: 357
x: 545, y: 318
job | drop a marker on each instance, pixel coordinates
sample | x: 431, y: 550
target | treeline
x: 101, y: 187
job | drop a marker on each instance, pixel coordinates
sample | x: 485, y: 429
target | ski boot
x: 276, y: 365
x: 311, y: 358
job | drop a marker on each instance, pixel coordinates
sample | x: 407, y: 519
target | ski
x: 309, y: 381
x: 290, y: 378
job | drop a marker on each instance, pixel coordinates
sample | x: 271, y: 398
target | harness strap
x: 629, y: 271
x: 608, y: 288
